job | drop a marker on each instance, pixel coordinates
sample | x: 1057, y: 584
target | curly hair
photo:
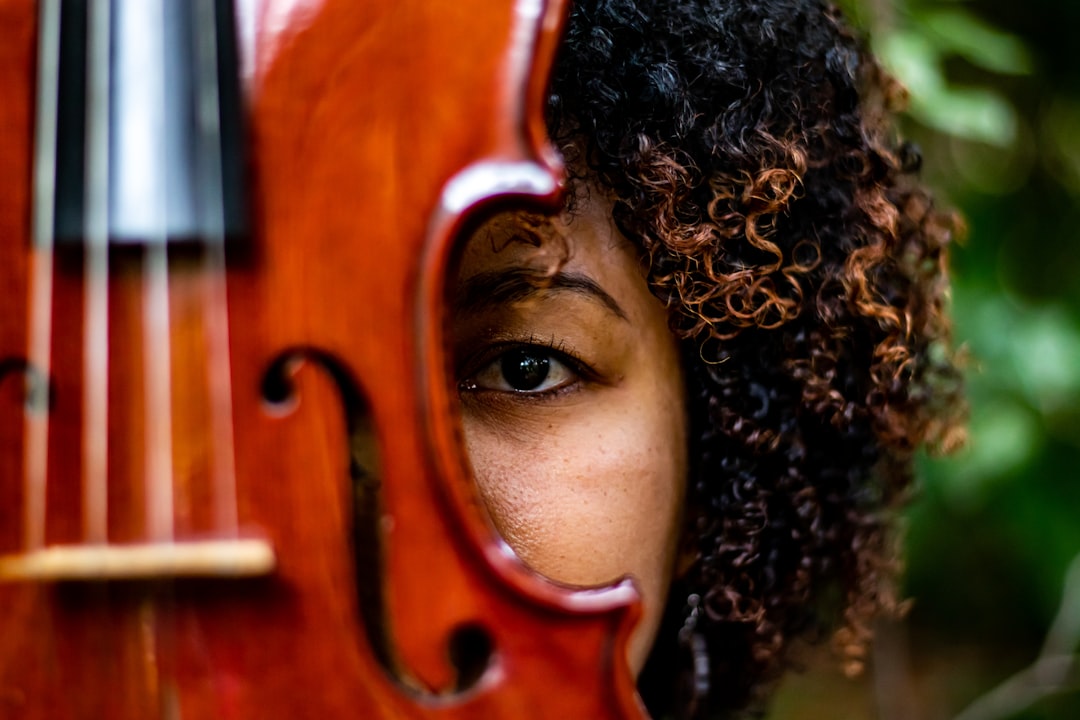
x: 749, y: 148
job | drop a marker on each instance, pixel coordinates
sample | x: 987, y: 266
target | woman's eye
x: 523, y: 370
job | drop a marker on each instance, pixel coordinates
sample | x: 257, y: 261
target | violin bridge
x: 242, y: 558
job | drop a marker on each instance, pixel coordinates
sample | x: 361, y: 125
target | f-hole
x: 470, y: 651
x: 469, y: 647
x: 279, y: 392
x: 365, y: 472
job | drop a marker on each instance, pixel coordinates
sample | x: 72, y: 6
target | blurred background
x: 994, y: 630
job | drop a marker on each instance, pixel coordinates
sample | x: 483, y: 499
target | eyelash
x: 556, y: 349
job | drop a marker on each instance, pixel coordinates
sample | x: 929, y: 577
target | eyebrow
x: 516, y: 284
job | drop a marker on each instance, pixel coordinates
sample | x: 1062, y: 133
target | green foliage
x: 996, y: 525
x: 917, y: 53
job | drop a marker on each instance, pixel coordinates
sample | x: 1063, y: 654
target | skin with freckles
x: 572, y: 401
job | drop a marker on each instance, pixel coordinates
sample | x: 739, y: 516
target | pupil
x: 525, y: 370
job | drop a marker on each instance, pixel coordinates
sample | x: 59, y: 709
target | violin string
x: 158, y: 422
x: 36, y: 425
x: 96, y: 304
x: 219, y: 371
x: 157, y: 335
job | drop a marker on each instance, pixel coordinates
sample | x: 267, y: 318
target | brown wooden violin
x: 225, y: 234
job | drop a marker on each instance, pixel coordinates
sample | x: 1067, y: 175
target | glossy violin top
x: 225, y: 235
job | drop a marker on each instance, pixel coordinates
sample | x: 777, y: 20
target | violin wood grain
x: 378, y: 131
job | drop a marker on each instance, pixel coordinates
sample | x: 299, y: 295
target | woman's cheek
x: 588, y: 495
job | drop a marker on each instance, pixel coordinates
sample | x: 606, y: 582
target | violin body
x: 179, y: 427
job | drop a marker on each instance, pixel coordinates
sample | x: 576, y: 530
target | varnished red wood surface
x: 368, y: 122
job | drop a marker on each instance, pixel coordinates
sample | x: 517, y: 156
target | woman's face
x: 573, y: 402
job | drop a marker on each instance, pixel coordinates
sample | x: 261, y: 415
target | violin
x: 226, y: 230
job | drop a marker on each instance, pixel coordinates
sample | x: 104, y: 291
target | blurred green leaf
x: 1046, y: 353
x: 972, y: 113
x: 914, y: 60
x: 1059, y: 125
x: 961, y: 33
x: 1005, y: 436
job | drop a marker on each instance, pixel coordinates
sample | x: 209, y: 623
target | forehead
x: 583, y: 238
x: 580, y: 251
